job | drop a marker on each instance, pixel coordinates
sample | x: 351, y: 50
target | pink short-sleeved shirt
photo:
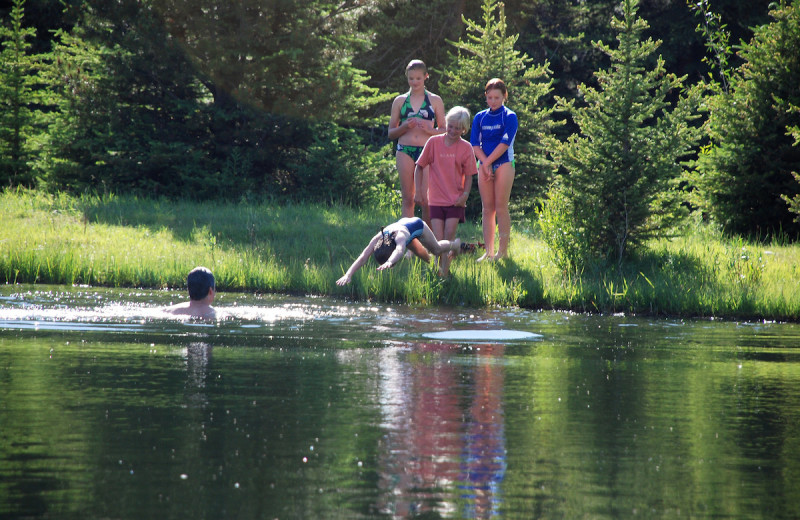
x: 450, y: 167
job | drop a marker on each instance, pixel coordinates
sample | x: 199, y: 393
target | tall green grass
x: 304, y: 249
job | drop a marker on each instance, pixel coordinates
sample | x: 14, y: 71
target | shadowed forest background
x: 289, y: 100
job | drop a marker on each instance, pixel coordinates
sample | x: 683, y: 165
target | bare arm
x: 485, y: 169
x: 420, y: 186
x: 468, y: 168
x: 462, y: 199
x: 438, y: 111
x: 397, y: 129
x: 486, y: 161
x: 479, y: 154
x: 489, y: 159
x: 496, y: 153
x: 359, y: 262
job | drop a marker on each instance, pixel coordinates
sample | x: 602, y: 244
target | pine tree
x: 292, y: 57
x: 78, y: 152
x: 219, y: 100
x: 621, y: 165
x: 487, y: 52
x: 746, y: 170
x: 794, y: 202
x: 396, y: 42
x: 17, y: 96
x: 125, y: 113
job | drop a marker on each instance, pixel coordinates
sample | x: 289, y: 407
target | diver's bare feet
x: 486, y: 258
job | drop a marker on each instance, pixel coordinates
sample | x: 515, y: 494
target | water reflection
x: 444, y: 449
x: 485, y: 453
x: 313, y: 408
x: 419, y: 459
x: 198, y: 358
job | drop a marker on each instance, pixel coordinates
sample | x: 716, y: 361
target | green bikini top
x: 424, y: 112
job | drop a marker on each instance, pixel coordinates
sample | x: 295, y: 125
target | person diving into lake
x: 202, y: 290
x: 389, y: 245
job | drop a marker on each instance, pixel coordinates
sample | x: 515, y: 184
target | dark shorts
x: 447, y: 212
x: 412, y: 151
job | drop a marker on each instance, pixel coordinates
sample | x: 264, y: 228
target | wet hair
x: 416, y: 65
x: 385, y: 247
x: 199, y: 281
x: 458, y: 116
x: 497, y: 83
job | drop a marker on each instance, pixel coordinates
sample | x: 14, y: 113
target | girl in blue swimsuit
x: 416, y: 115
x: 390, y: 243
x: 492, y: 138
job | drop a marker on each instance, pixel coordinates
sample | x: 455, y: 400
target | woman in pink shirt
x: 452, y: 165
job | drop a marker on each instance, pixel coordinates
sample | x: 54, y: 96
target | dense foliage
x: 18, y: 73
x: 622, y: 166
x: 288, y: 100
x: 794, y: 202
x: 747, y: 169
x: 139, y: 103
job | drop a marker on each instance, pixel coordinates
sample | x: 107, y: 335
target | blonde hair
x: 458, y: 116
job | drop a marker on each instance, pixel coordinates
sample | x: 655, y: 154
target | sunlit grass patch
x: 304, y: 249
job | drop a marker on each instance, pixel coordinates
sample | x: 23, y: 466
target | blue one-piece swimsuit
x: 414, y: 225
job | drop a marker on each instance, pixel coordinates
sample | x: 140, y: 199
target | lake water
x: 314, y: 408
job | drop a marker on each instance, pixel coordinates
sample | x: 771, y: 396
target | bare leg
x: 437, y: 226
x: 487, y: 191
x: 418, y: 249
x: 405, y: 166
x: 450, y: 229
x: 437, y: 247
x: 503, y: 181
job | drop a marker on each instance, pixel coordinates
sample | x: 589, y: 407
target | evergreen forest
x: 634, y: 115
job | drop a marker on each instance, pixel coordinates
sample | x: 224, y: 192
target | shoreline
x: 115, y: 241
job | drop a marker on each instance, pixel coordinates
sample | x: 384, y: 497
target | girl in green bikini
x: 416, y: 115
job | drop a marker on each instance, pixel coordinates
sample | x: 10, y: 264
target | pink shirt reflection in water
x: 436, y: 448
x: 421, y: 459
x: 485, y: 446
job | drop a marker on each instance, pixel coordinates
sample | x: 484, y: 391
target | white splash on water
x: 107, y: 310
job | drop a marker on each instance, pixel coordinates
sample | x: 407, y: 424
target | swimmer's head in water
x: 385, y: 247
x: 200, y: 280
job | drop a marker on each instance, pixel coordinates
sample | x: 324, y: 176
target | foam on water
x: 245, y: 316
x: 132, y: 311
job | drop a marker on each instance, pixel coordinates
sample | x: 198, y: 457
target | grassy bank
x: 121, y: 241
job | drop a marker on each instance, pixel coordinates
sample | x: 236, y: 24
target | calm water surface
x: 314, y: 408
